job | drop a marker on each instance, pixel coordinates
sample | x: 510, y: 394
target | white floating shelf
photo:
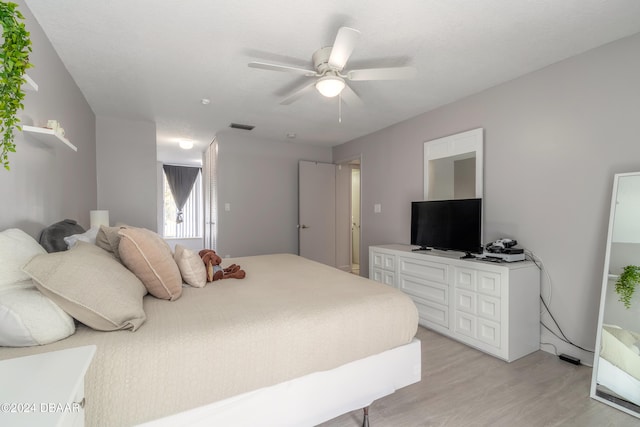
x: 48, y: 136
x: 30, y: 84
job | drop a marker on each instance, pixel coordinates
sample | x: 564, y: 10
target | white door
x: 316, y: 215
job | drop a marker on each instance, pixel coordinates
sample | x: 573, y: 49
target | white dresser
x: 492, y: 307
x: 45, y: 389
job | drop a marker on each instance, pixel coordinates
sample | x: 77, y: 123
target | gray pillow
x: 52, y: 237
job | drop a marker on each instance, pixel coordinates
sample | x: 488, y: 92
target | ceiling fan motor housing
x: 321, y: 60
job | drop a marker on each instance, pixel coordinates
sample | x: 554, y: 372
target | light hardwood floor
x: 464, y: 387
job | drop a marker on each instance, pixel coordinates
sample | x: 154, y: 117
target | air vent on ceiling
x: 241, y: 126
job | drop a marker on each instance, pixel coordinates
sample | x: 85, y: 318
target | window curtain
x: 181, y: 180
x: 209, y: 177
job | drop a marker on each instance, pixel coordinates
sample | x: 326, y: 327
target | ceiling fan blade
x: 350, y: 97
x: 291, y: 98
x: 397, y: 73
x: 346, y: 40
x: 277, y: 67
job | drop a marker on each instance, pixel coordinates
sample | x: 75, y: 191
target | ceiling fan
x: 330, y: 76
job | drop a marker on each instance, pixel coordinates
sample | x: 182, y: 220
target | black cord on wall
x: 562, y: 337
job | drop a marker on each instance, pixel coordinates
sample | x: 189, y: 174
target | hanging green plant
x: 14, y: 61
x: 626, y: 284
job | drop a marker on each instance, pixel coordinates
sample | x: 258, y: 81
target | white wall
x: 259, y: 179
x: 553, y: 140
x: 127, y: 171
x: 47, y: 184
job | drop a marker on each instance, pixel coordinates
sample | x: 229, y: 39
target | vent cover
x: 241, y: 126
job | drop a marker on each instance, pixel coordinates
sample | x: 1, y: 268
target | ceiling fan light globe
x: 330, y: 86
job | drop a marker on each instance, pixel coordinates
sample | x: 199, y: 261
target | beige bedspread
x: 287, y: 318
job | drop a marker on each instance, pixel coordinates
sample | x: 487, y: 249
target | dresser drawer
x: 383, y: 276
x: 432, y: 313
x: 383, y: 261
x: 465, y: 278
x: 489, y: 308
x: 430, y: 291
x: 466, y: 301
x: 489, y: 283
x: 428, y: 270
x: 489, y: 332
x: 465, y: 324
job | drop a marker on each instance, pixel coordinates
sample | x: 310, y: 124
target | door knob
x: 303, y: 226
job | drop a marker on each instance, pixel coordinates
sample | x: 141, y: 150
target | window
x: 191, y: 226
x: 209, y: 172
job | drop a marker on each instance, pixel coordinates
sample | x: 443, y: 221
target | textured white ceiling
x: 155, y: 59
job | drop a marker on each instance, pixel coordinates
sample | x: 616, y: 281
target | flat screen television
x: 447, y: 225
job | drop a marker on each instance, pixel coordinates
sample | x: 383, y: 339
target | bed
x: 294, y: 343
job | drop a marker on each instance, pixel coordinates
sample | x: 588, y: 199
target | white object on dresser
x: 492, y: 307
x: 45, y: 389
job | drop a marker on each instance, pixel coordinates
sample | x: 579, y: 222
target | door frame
x: 346, y: 161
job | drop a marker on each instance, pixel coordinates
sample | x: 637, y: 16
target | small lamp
x: 330, y: 86
x: 98, y: 218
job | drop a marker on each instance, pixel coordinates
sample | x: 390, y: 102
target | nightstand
x: 45, y: 389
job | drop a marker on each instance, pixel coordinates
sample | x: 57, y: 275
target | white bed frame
x: 314, y: 398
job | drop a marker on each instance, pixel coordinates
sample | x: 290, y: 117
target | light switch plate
x: 377, y: 208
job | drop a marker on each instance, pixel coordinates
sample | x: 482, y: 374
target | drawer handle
x: 82, y: 402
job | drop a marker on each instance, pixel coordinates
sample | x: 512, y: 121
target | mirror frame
x: 603, y: 294
x: 469, y: 142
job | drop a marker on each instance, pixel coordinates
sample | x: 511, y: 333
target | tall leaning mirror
x: 616, y: 364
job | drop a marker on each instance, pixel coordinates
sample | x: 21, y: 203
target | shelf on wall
x: 48, y: 136
x: 30, y: 84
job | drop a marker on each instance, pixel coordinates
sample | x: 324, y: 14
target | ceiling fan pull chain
x: 339, y: 108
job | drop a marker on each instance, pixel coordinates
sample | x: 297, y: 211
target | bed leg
x: 365, y: 418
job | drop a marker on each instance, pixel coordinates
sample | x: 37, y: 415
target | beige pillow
x: 149, y: 257
x: 90, y: 285
x: 192, y: 269
x: 109, y: 240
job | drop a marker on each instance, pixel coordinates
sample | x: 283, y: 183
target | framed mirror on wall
x: 453, y: 166
x: 616, y: 364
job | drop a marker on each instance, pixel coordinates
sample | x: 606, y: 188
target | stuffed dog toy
x: 214, y: 271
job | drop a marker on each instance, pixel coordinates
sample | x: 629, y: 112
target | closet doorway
x: 348, y: 215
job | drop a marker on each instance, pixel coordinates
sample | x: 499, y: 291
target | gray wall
x: 49, y: 183
x: 553, y: 140
x: 127, y: 171
x: 464, y: 179
x: 259, y: 179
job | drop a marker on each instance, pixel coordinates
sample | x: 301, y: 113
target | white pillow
x: 88, y: 236
x: 192, y: 269
x: 28, y: 318
x: 16, y: 249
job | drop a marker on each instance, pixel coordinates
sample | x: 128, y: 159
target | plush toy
x: 214, y: 271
